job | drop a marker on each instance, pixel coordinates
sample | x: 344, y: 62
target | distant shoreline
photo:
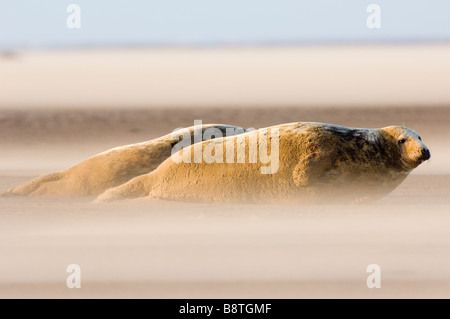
x: 222, y: 45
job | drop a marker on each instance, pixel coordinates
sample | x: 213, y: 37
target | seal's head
x: 409, y: 145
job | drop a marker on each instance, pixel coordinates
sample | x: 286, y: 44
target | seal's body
x: 317, y: 162
x: 114, y: 167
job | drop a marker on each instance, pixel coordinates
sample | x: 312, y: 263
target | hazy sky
x: 31, y: 23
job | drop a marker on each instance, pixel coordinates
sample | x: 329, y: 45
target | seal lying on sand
x: 114, y: 167
x: 317, y: 162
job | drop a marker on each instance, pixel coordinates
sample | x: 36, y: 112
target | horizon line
x: 218, y: 44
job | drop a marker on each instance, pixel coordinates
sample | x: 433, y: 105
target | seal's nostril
x: 425, y: 154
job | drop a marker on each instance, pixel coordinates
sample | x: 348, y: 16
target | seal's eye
x: 403, y: 140
x: 419, y: 138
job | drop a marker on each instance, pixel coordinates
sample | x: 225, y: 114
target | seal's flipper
x: 308, y: 170
x: 35, y: 184
x: 139, y: 186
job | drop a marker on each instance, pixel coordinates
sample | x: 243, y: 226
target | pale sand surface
x: 248, y: 76
x: 162, y: 249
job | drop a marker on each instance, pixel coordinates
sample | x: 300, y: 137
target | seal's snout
x: 425, y: 154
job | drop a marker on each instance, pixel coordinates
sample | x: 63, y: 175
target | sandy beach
x: 160, y: 249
